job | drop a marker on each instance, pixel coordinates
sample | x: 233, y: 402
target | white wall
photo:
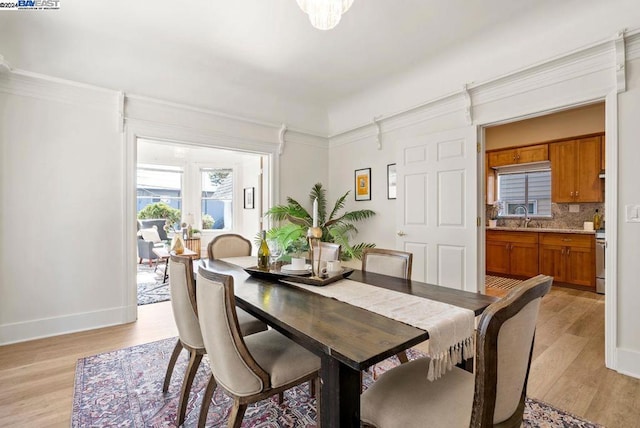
x: 521, y: 42
x: 67, y: 253
x: 61, y: 216
x: 629, y: 233
x: 580, y: 77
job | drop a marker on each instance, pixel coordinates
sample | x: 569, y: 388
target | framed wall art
x: 391, y: 181
x: 363, y: 184
x: 249, y: 202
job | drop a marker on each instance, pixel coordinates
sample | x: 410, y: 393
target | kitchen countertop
x: 542, y: 229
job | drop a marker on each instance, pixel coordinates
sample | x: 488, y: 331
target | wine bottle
x: 597, y: 220
x: 263, y: 253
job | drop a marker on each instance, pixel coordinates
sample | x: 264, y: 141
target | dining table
x: 347, y: 338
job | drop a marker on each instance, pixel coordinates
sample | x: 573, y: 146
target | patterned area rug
x: 151, y: 289
x: 501, y: 283
x: 123, y: 388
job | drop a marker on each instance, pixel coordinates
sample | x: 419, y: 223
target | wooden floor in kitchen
x: 567, y: 371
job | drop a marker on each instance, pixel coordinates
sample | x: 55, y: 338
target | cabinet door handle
x: 568, y: 251
x: 562, y: 252
x: 518, y: 155
x: 572, y: 193
x: 576, y: 193
x: 400, y: 233
x: 566, y: 239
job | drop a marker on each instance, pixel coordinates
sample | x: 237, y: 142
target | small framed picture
x: 249, y: 202
x: 391, y: 181
x: 363, y: 184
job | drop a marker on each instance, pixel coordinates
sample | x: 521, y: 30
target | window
x: 523, y: 192
x: 217, y: 198
x: 159, y: 183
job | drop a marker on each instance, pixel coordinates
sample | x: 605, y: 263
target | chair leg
x: 280, y: 398
x: 172, y: 362
x: 316, y: 386
x: 194, y: 362
x: 237, y: 414
x: 312, y: 388
x: 206, y: 401
x: 140, y: 261
x: 402, y: 356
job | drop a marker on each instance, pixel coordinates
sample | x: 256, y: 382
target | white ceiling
x: 156, y: 47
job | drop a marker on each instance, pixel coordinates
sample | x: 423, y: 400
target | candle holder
x: 314, y: 235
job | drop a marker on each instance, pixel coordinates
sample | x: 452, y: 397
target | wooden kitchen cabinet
x: 575, y: 170
x: 512, y: 253
x: 568, y: 257
x: 525, y: 154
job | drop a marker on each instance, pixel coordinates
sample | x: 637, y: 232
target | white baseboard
x: 47, y: 327
x: 628, y: 362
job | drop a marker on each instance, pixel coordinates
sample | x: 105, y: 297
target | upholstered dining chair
x: 388, y: 262
x: 328, y: 251
x: 252, y: 368
x: 185, y: 312
x: 228, y: 245
x: 494, y: 396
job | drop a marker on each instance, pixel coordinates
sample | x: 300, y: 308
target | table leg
x: 466, y: 365
x: 340, y: 394
x: 166, y: 274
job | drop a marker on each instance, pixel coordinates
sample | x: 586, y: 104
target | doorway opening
x: 542, y: 174
x: 195, y: 191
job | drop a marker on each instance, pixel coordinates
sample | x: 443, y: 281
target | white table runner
x: 450, y: 327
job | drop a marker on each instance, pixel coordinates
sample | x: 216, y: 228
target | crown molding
x: 34, y: 85
x: 632, y: 43
x: 572, y: 65
x: 197, y: 125
x: 453, y: 103
x: 4, y: 65
x: 587, y: 63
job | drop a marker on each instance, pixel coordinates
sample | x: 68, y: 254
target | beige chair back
x: 228, y: 245
x: 232, y: 365
x: 183, y: 301
x: 387, y: 262
x: 503, y: 351
x: 328, y: 251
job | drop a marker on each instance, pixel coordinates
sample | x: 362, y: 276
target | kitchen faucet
x: 525, y: 219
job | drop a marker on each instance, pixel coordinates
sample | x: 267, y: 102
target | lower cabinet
x: 512, y: 253
x: 569, y: 258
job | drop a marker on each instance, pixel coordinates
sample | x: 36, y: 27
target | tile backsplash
x: 561, y: 217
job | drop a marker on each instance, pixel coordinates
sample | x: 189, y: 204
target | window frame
x: 524, y: 201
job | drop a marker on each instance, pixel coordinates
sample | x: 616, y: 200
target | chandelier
x: 324, y: 14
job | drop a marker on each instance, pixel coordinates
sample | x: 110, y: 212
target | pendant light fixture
x: 324, y: 14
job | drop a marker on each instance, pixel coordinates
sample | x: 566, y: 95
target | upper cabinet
x: 527, y: 154
x: 575, y: 169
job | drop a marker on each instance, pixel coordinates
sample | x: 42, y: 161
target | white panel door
x: 437, y: 207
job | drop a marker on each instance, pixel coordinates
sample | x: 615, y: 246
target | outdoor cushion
x: 150, y: 234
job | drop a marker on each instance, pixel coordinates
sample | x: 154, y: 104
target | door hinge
x: 478, y: 147
x: 478, y: 220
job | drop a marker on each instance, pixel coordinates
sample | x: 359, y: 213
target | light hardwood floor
x: 36, y: 377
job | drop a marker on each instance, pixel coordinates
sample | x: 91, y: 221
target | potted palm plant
x: 337, y: 226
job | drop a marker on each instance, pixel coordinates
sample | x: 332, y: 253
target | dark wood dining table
x: 348, y: 339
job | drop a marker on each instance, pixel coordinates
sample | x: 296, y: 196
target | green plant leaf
x: 336, y: 228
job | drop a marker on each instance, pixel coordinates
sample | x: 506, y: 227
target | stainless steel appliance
x: 601, y: 245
